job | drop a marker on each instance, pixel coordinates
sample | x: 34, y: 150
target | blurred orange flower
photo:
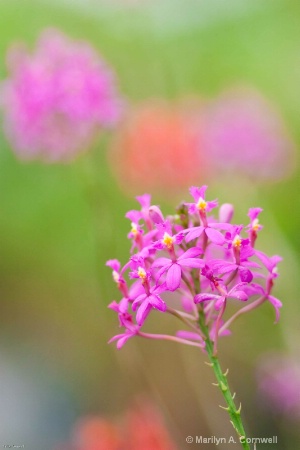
x: 158, y: 147
x: 141, y: 427
x: 146, y: 430
x: 96, y: 433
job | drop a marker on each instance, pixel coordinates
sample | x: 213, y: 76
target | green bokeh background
x: 59, y: 224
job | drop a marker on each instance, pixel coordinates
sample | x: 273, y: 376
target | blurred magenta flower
x: 158, y: 149
x: 57, y: 98
x: 245, y: 134
x: 278, y: 379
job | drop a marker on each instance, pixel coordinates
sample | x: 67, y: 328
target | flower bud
x: 226, y: 212
x: 155, y: 214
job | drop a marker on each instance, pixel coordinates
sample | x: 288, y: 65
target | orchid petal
x: 159, y: 289
x: 251, y: 264
x: 197, y: 192
x: 215, y: 236
x: 134, y: 216
x: 161, y: 271
x: 173, y: 277
x: 277, y: 304
x: 114, y: 306
x: 223, y: 266
x: 178, y: 238
x: 144, y: 200
x: 269, y: 263
x: 189, y: 335
x: 205, y: 297
x: 113, y: 264
x: 240, y: 295
x: 135, y: 290
x: 253, y: 213
x: 221, y: 226
x: 191, y: 253
x: 211, y: 205
x: 138, y: 300
x: 192, y: 262
x: 143, y: 312
x: 160, y: 262
x: 157, y: 303
x: 123, y: 305
x: 187, y: 304
x: 122, y: 341
x: 219, y: 303
x: 195, y: 233
x: 254, y: 289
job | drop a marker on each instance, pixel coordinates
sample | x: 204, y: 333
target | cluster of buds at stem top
x: 203, y: 261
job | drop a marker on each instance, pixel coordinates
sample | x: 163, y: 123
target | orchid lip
x: 255, y: 225
x: 237, y: 241
x: 116, y: 276
x: 168, y: 240
x: 141, y: 273
x: 134, y: 228
x: 201, y: 204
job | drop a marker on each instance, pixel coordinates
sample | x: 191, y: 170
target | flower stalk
x: 222, y: 383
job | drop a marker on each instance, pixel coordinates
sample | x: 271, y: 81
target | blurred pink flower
x: 157, y: 149
x: 244, y: 134
x: 57, y: 97
x: 279, y: 385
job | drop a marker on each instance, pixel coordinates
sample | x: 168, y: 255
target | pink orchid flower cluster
x: 193, y: 260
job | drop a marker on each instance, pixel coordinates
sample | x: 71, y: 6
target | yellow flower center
x: 168, y: 240
x: 142, y: 273
x: 134, y: 228
x: 201, y: 205
x: 237, y: 242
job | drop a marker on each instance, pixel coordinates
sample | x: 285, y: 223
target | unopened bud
x: 155, y: 214
x: 226, y: 213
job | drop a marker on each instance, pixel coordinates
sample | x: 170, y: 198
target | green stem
x: 234, y: 413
